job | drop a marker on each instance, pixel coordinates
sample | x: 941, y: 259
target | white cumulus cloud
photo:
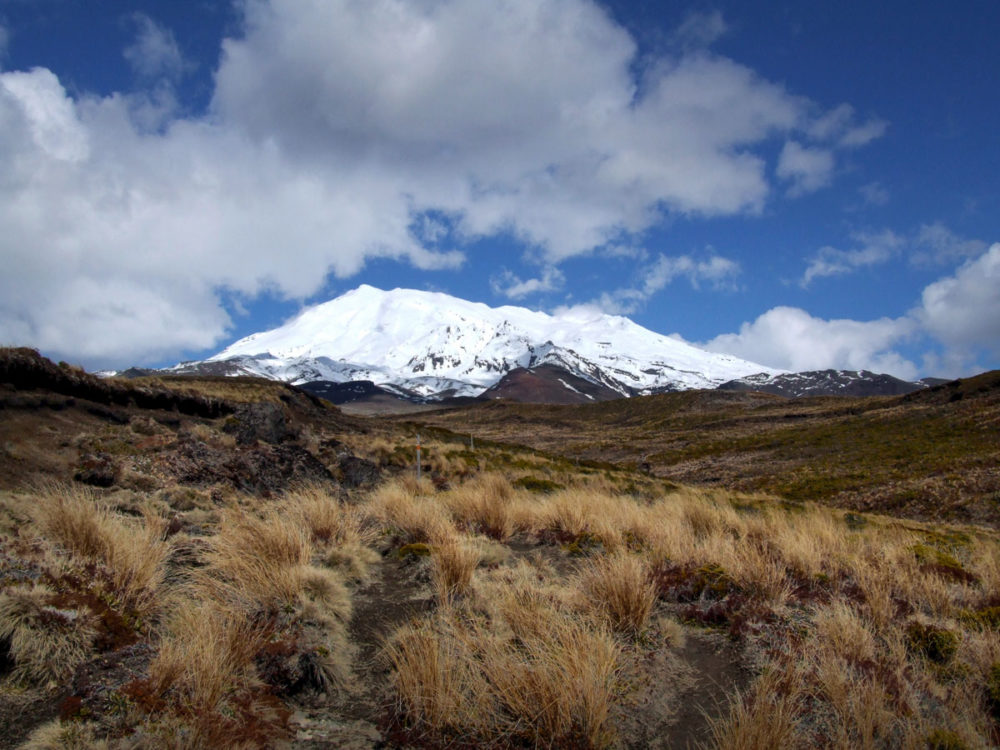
x: 512, y: 286
x: 958, y: 313
x: 807, y: 169
x: 335, y: 129
x: 937, y: 244
x: 963, y: 310
x: 155, y: 52
x: 699, y: 29
x: 789, y: 338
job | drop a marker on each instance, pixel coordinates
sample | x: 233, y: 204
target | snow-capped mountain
x: 827, y: 383
x: 435, y: 345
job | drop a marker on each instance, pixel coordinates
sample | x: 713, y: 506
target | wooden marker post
x: 418, y: 456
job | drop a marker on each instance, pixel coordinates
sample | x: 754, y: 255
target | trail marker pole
x: 418, y: 456
x: 472, y: 442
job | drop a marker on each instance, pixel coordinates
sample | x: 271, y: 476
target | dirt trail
x: 676, y: 690
x: 397, y: 592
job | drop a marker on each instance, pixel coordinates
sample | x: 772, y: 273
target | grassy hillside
x: 270, y: 573
x: 933, y: 454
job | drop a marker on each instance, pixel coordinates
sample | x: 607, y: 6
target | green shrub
x: 936, y: 644
x: 945, y: 739
x: 986, y: 618
x: 993, y: 691
x: 417, y: 549
x: 536, y: 484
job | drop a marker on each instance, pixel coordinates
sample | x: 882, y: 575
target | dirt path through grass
x: 395, y: 594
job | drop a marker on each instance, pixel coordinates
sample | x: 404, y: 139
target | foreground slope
x: 187, y: 589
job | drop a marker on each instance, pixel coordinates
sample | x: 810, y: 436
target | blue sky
x: 802, y: 184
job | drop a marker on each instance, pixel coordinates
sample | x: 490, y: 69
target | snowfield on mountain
x: 432, y: 344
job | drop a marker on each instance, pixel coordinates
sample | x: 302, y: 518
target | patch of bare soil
x: 23, y: 709
x: 677, y: 691
x: 716, y: 674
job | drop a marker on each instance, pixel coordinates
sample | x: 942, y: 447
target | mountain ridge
x: 433, y: 345
x: 429, y: 346
x: 828, y: 382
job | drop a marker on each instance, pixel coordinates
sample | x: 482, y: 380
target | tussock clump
x: 453, y: 561
x: 134, y: 551
x: 203, y: 689
x: 436, y: 682
x: 339, y: 533
x: 414, y: 486
x: 45, y: 642
x: 560, y: 687
x: 526, y: 597
x: 207, y: 655
x: 485, y: 504
x: 417, y: 518
x: 765, y: 717
x: 328, y: 597
x: 352, y: 560
x: 456, y: 674
x: 620, y: 589
x: 577, y: 514
x: 58, y: 735
x: 759, y: 572
x: 841, y: 629
x: 256, y: 561
x: 328, y: 521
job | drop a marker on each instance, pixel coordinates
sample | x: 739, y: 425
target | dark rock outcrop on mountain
x: 547, y: 384
x: 344, y: 393
x: 827, y: 383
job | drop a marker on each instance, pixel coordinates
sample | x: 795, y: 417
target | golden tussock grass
x: 206, y: 434
x: 340, y: 533
x: 762, y: 719
x: 328, y: 521
x: 512, y: 662
x: 484, y: 504
x: 453, y: 562
x: 618, y: 587
x: 576, y: 513
x: 465, y: 675
x: 435, y: 680
x: 58, y: 735
x: 560, y: 686
x: 134, y: 550
x: 262, y: 563
x: 258, y: 586
x: 525, y: 597
x: 45, y: 642
x: 207, y: 655
x: 256, y: 561
x: 862, y: 631
x: 418, y: 517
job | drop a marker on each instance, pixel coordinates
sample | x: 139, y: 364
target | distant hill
x: 827, y: 383
x: 547, y: 384
x: 933, y: 453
